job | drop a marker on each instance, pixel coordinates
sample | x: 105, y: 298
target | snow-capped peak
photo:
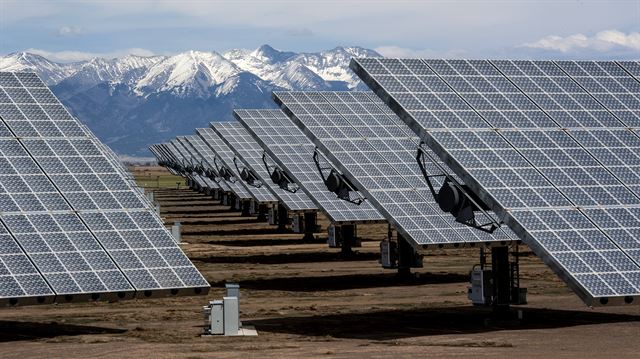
x: 187, y: 72
x: 132, y: 101
x: 198, y: 72
x: 51, y: 72
x: 269, y: 55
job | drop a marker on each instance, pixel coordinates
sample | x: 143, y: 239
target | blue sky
x: 76, y: 30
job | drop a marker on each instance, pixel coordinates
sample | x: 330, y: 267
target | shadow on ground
x: 283, y: 258
x: 16, y: 330
x: 397, y: 324
x: 344, y: 282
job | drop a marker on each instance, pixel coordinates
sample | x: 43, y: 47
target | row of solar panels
x: 73, y: 225
x: 547, y: 152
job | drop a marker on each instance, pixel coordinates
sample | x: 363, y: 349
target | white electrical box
x: 176, y: 231
x: 214, y: 318
x: 479, y: 292
x: 231, y: 319
x: 273, y: 215
x: 388, y: 254
x: 332, y: 240
x: 217, y: 317
x: 297, y: 225
x: 233, y: 290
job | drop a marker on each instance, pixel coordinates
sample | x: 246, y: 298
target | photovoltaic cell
x: 548, y: 145
x: 293, y: 152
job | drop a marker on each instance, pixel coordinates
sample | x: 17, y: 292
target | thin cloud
x: 70, y: 31
x: 74, y: 56
x: 403, y: 52
x: 301, y: 32
x: 603, y: 41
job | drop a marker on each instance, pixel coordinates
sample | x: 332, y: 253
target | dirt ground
x: 307, y: 302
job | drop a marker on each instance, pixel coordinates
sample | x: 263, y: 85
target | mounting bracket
x: 454, y: 197
x: 336, y: 182
x: 280, y: 177
x: 247, y: 175
x: 224, y: 171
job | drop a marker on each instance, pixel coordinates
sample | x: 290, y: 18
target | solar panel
x: 71, y: 213
x: 158, y: 155
x: 188, y: 161
x: 212, y: 161
x: 377, y: 153
x: 218, y: 184
x: 194, y: 158
x: 548, y: 145
x: 205, y: 156
x: 293, y: 152
x: 211, y: 138
x: 169, y: 157
x: 247, y: 150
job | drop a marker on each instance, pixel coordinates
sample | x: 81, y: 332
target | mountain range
x: 132, y: 101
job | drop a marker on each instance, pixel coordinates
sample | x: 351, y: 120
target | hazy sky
x: 74, y: 30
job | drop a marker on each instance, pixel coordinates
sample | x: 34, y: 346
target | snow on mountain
x: 192, y: 72
x: 273, y: 65
x: 50, y: 72
x: 117, y: 70
x: 269, y: 55
x: 333, y: 65
x: 295, y: 75
x: 132, y: 101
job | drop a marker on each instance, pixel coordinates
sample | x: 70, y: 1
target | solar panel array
x: 169, y: 157
x: 293, y: 152
x: 72, y: 226
x: 551, y: 146
x: 187, y: 161
x: 225, y: 154
x: 212, y: 161
x: 376, y: 151
x: 249, y: 153
x: 204, y: 155
x: 187, y: 150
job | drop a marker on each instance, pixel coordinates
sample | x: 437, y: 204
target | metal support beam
x: 262, y: 212
x: 348, y: 239
x: 310, y: 224
x: 501, y: 273
x: 246, y: 208
x: 283, y: 217
x: 405, y: 256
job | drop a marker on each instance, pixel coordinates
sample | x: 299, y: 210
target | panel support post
x: 262, y: 212
x: 246, y: 208
x: 501, y: 279
x: 347, y: 239
x: 405, y: 256
x: 310, y: 224
x: 283, y: 218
